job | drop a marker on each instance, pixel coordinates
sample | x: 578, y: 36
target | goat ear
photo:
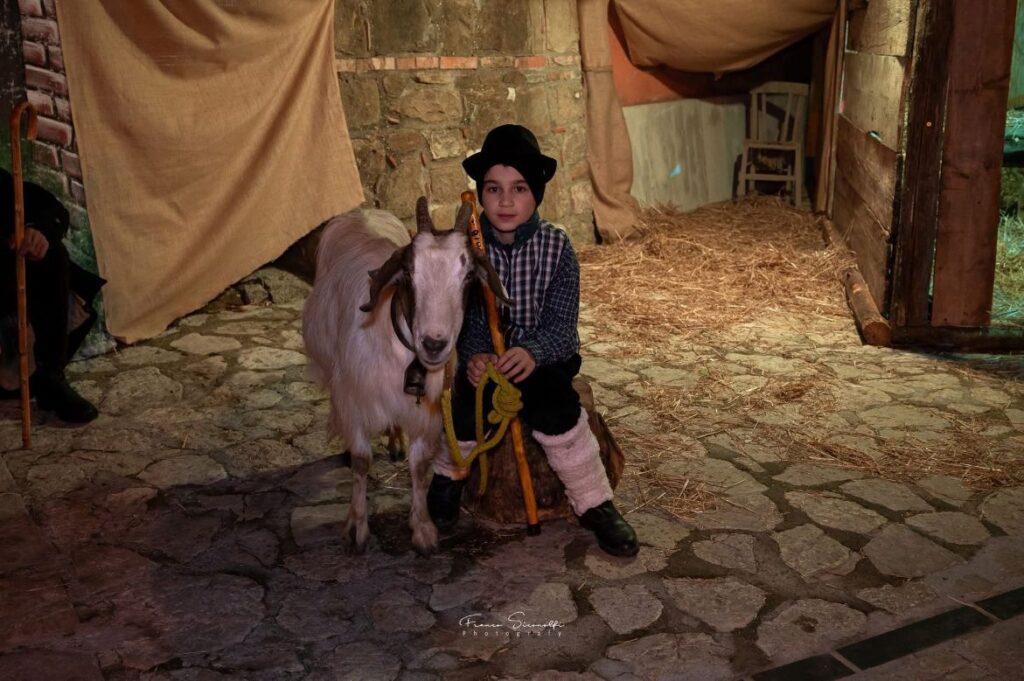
x: 381, y: 277
x: 487, y: 275
x: 462, y: 218
x: 423, y: 221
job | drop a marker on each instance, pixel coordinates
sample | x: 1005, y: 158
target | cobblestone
x: 194, y: 528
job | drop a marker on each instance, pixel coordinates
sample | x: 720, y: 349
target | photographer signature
x: 515, y: 623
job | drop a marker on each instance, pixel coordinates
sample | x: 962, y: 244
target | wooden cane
x: 515, y: 427
x: 19, y: 236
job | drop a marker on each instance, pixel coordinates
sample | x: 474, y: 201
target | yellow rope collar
x: 506, y: 403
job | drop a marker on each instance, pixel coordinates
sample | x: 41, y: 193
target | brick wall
x: 54, y: 152
x: 424, y: 80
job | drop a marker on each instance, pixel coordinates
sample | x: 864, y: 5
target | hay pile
x: 695, y: 274
x: 682, y: 287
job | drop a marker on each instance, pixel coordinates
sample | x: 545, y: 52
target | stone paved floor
x: 191, y: 533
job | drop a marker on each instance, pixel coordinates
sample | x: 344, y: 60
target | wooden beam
x: 870, y: 167
x: 979, y: 80
x: 914, y: 235
x: 873, y: 95
x: 960, y: 338
x: 873, y: 328
x: 882, y: 27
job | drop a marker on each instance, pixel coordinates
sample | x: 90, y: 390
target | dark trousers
x: 550, y: 404
x: 47, y: 284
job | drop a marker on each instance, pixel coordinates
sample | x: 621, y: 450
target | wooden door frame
x: 937, y: 207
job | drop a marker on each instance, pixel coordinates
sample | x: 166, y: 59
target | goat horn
x: 462, y: 218
x: 423, y: 221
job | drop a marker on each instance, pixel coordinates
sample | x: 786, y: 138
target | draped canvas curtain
x: 211, y: 136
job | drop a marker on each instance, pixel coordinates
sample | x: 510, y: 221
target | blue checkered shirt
x: 542, y: 276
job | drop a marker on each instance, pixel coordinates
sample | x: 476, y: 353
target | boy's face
x: 507, y: 200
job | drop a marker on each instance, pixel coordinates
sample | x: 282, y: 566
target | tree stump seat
x: 503, y: 500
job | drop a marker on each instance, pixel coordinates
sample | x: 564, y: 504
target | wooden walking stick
x: 19, y: 236
x: 515, y: 427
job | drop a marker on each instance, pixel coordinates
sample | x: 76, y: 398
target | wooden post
x: 19, y: 236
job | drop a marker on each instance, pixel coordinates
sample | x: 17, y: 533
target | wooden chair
x: 774, y: 150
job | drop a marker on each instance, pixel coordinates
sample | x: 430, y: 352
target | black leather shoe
x: 614, y: 534
x: 443, y: 501
x: 53, y: 393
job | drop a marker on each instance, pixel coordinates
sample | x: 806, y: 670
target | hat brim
x: 477, y: 165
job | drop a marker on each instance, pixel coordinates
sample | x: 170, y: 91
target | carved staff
x: 19, y: 236
x: 498, y: 339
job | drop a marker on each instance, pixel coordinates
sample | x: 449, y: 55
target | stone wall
x: 424, y: 80
x: 55, y: 162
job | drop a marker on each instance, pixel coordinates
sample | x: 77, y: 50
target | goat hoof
x: 353, y: 544
x: 424, y: 539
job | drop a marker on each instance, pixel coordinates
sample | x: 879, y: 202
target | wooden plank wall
x: 979, y: 80
x: 868, y: 135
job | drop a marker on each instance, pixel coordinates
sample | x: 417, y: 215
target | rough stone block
x: 46, y: 154
x: 565, y: 101
x: 30, y: 8
x: 43, y: 79
x: 33, y: 53
x: 443, y: 214
x: 394, y: 84
x: 56, y: 57
x: 446, y: 143
x: 447, y: 182
x: 361, y: 99
x: 435, y: 77
x: 78, y: 192
x: 457, y: 29
x: 581, y: 195
x: 370, y: 161
x: 42, y: 102
x: 401, y: 26
x: 402, y: 186
x: 504, y: 27
x: 40, y: 30
x: 531, y: 107
x: 404, y: 142
x: 55, y: 131
x: 431, y: 105
x: 63, y: 108
x: 71, y: 163
x: 561, y: 26
x: 350, y: 28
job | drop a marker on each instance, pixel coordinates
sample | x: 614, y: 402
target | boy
x: 539, y: 269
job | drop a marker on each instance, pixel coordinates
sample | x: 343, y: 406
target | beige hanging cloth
x: 211, y: 136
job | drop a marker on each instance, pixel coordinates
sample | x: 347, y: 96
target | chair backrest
x: 777, y: 110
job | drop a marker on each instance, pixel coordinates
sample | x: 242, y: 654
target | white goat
x: 363, y: 334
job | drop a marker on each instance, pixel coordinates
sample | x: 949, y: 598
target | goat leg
x: 424, y: 532
x: 357, y: 528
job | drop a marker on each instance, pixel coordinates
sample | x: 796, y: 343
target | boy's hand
x: 516, y: 364
x: 477, y: 366
x: 33, y: 246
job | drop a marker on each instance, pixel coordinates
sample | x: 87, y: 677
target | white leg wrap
x: 575, y: 457
x: 444, y: 464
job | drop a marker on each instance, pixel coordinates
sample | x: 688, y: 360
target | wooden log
x: 874, y: 329
x: 503, y: 500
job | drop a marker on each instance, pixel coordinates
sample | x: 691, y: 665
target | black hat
x: 512, y: 145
